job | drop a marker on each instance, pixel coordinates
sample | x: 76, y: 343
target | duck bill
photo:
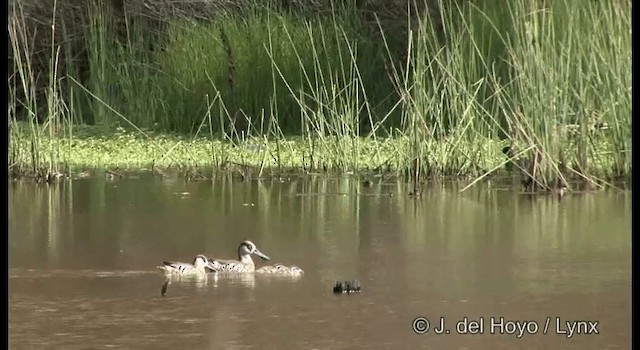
x: 211, y: 266
x: 260, y: 254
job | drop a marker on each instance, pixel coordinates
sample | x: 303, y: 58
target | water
x: 82, y: 260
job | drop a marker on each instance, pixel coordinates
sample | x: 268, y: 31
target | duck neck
x: 245, y: 259
x: 199, y: 265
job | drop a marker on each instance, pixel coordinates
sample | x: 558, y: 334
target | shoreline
x: 91, y: 147
x: 118, y: 151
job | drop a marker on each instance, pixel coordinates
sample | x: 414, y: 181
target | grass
x: 100, y: 147
x: 273, y: 89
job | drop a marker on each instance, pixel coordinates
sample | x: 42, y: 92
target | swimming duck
x: 244, y: 262
x: 184, y: 269
x: 281, y: 270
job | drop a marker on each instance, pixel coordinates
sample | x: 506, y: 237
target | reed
x: 538, y: 77
x: 31, y: 150
x: 274, y: 89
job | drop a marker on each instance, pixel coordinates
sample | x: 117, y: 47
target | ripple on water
x: 32, y: 273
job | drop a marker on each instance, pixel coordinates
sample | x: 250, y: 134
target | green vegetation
x: 270, y: 88
x: 96, y: 147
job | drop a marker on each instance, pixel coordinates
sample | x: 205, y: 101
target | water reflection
x: 82, y: 260
x: 198, y: 281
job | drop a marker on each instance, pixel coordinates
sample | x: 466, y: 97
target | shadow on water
x: 82, y: 259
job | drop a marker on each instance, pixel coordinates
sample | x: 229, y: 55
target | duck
x: 244, y: 263
x: 200, y: 267
x: 281, y: 270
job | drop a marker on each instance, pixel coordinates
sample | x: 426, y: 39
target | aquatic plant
x: 274, y: 89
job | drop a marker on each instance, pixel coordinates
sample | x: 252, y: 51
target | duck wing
x: 176, y: 266
x: 222, y: 265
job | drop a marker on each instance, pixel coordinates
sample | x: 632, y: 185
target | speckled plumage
x: 184, y: 269
x: 281, y: 270
x: 244, y: 263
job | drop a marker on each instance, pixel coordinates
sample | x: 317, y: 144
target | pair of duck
x: 201, y: 265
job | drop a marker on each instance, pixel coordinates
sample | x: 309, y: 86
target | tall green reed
x: 31, y: 153
x: 568, y: 60
x: 521, y: 72
x: 545, y: 79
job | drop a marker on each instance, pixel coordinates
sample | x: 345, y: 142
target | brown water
x: 82, y: 260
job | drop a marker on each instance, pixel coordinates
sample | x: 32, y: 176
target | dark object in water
x: 163, y: 290
x: 559, y: 192
x: 415, y: 193
x: 348, y: 287
x: 523, y: 165
x: 527, y: 167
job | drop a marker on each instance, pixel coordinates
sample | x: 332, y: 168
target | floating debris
x: 83, y: 174
x: 112, y: 175
x: 347, y: 287
x: 54, y: 177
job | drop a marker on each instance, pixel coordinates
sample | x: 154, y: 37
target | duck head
x: 247, y: 248
x: 201, y: 261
